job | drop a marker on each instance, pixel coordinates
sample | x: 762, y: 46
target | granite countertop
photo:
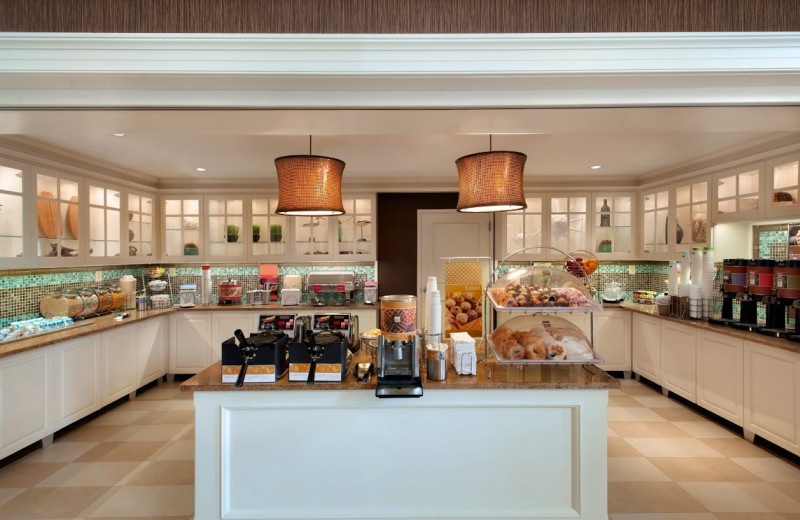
x: 304, y: 306
x: 652, y: 310
x: 81, y: 328
x: 505, y: 377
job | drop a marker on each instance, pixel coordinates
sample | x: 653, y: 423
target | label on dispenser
x: 255, y: 373
x: 323, y: 372
x: 760, y: 279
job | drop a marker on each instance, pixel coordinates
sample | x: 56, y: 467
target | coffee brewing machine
x: 398, y: 348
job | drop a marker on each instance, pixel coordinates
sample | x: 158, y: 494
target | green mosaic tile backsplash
x: 21, y: 290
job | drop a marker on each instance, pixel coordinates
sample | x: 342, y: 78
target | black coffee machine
x: 786, y: 297
x: 398, y: 367
x: 733, y: 287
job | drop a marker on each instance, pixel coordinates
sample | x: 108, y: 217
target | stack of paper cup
x: 697, y: 267
x: 696, y: 302
x: 686, y: 271
x: 433, y: 318
x: 672, y: 284
x: 433, y: 311
x: 709, y: 273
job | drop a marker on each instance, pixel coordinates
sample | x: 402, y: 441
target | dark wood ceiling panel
x: 397, y: 16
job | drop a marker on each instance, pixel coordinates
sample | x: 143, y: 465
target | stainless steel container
x: 436, y: 361
x: 254, y: 297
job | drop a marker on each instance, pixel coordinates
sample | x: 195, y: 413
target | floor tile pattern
x: 665, y: 462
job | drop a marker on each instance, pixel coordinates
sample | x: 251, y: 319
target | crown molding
x: 723, y: 159
x: 497, y: 70
x: 43, y: 155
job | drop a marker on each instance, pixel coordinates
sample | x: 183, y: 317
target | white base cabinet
x: 223, y: 324
x: 612, y: 339
x: 26, y: 386
x: 720, y: 375
x: 678, y: 353
x: 77, y: 379
x: 119, y: 364
x: 152, y: 353
x: 48, y: 388
x: 190, y: 342
x: 772, y: 395
x: 646, y: 347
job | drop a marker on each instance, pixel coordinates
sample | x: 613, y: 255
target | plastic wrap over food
x: 531, y: 288
x: 541, y: 339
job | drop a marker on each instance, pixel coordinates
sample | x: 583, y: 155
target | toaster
x: 290, y: 296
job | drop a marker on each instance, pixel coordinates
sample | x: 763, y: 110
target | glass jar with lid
x: 64, y: 303
x: 104, y: 299
x: 117, y: 297
x: 90, y: 302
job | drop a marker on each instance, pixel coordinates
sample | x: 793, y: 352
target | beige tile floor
x: 664, y: 462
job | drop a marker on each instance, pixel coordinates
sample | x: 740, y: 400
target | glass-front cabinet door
x: 269, y: 230
x: 738, y: 194
x: 105, y: 239
x: 783, y: 183
x: 11, y: 213
x: 692, y: 227
x: 524, y: 229
x: 227, y: 235
x: 655, y: 222
x: 568, y: 219
x: 354, y: 237
x: 312, y: 237
x: 182, y: 229
x: 59, y: 215
x: 613, y: 225
x: 140, y: 227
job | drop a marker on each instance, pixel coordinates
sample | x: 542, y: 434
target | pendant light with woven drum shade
x: 309, y: 185
x: 491, y: 181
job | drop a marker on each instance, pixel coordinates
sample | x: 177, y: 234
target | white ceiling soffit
x: 303, y: 71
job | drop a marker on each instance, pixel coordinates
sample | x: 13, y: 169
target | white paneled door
x: 446, y: 233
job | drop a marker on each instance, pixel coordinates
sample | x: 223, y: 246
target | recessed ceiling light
x: 119, y: 134
x: 596, y: 166
x: 199, y: 169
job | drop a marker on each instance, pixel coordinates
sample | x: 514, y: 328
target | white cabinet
x: 224, y: 323
x: 678, y: 359
x: 151, y: 350
x: 783, y: 184
x: 739, y: 193
x: 569, y: 222
x: 270, y: 232
x: 692, y: 215
x: 612, y: 232
x: 12, y: 231
x: 720, y: 375
x: 190, y: 342
x: 118, y: 363
x: 772, y: 395
x: 227, y: 237
x: 181, y: 238
x: 655, y: 236
x: 612, y: 338
x: 646, y: 347
x: 367, y: 320
x: 26, y: 413
x: 525, y: 228
x: 77, y: 381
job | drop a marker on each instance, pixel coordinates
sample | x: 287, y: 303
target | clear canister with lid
x: 66, y: 303
x: 90, y: 302
x: 117, y: 297
x: 104, y: 299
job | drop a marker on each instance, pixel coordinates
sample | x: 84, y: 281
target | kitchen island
x: 526, y: 443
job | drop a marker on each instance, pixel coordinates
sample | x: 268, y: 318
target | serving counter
x: 529, y: 442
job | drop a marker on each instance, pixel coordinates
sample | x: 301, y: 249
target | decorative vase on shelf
x: 233, y: 238
x: 256, y: 238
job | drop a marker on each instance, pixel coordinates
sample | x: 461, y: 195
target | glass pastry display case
x: 541, y: 289
x: 541, y: 339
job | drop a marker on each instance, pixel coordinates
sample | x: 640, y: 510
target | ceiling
x: 162, y: 148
